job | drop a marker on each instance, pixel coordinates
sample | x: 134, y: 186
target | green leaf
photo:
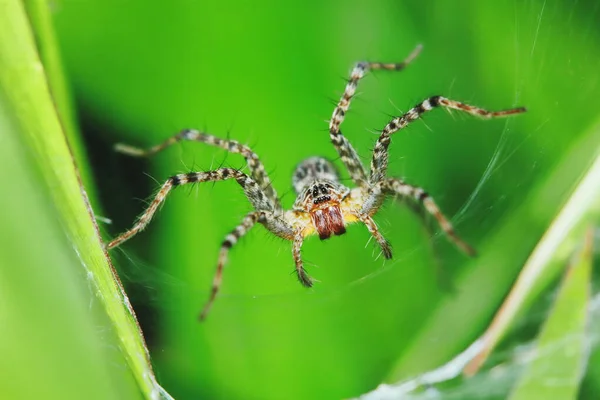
x: 562, y: 347
x: 580, y: 211
x: 49, y: 54
x: 58, y: 287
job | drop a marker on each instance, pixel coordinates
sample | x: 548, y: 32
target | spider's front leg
x: 386, y: 248
x: 379, y: 162
x: 342, y: 145
x: 381, y: 185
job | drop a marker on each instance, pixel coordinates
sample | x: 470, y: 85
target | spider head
x: 321, y: 200
x: 320, y: 194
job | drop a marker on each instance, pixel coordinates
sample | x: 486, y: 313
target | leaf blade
x: 562, y: 347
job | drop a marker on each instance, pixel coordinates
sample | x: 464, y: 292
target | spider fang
x: 328, y: 220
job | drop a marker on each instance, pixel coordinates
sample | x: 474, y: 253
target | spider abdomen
x: 328, y: 220
x: 313, y: 169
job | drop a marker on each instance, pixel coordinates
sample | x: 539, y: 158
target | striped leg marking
x: 343, y: 147
x: 251, y: 189
x: 386, y: 248
x: 249, y: 221
x: 257, y: 169
x: 303, y: 277
x: 396, y: 186
x: 379, y: 162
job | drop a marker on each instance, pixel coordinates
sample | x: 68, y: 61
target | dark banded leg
x: 257, y: 170
x: 251, y: 189
x: 374, y: 230
x: 231, y: 239
x: 398, y: 187
x: 303, y: 277
x: 343, y: 147
x: 379, y: 162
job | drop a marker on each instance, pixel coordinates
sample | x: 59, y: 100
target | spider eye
x: 324, y: 190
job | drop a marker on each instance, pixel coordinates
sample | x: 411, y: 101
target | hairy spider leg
x: 386, y: 248
x: 394, y: 186
x: 265, y: 214
x: 247, y: 223
x: 253, y: 192
x: 379, y: 162
x: 257, y: 169
x: 342, y: 145
x: 303, y: 277
x: 270, y: 220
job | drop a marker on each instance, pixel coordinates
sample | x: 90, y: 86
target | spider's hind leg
x: 253, y: 192
x: 398, y: 187
x: 257, y: 169
x: 231, y: 239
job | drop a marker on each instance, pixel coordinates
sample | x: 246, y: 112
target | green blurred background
x: 268, y: 74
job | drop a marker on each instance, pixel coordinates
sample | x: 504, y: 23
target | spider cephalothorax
x: 324, y: 206
x: 320, y: 195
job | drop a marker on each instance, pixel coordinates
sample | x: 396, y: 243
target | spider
x: 324, y: 206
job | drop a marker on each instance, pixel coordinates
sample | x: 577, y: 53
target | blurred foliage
x: 66, y: 332
x: 266, y: 74
x: 550, y: 367
x: 562, y: 347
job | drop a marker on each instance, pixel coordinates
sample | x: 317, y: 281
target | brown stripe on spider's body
x: 328, y: 220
